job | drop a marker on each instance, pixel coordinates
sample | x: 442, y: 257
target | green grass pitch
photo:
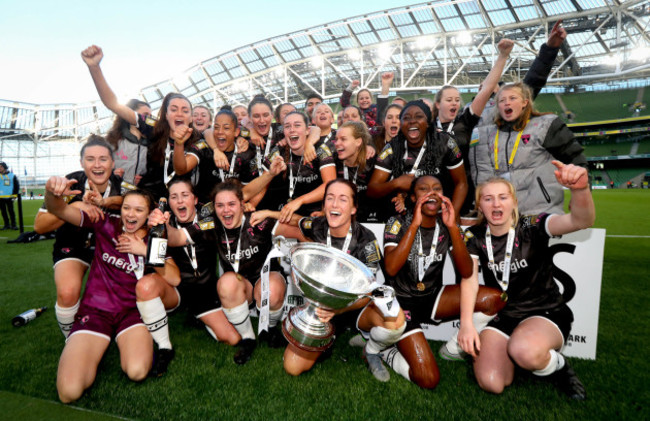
x: 204, y: 383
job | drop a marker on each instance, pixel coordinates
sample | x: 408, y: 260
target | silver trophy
x: 329, y: 279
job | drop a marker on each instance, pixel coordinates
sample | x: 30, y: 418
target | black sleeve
x: 561, y: 143
x: 382, y: 104
x: 540, y: 69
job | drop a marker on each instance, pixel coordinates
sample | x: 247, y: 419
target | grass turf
x: 204, y: 383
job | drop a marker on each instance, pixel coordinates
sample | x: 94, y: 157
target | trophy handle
x: 283, y: 245
x: 384, y: 299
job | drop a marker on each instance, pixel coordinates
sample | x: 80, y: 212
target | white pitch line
x: 628, y: 236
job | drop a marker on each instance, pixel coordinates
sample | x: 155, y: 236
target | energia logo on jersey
x: 309, y: 179
x: 514, y: 265
x: 119, y: 263
x: 247, y: 253
x: 420, y: 172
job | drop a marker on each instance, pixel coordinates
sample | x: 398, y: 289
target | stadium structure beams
x: 426, y: 45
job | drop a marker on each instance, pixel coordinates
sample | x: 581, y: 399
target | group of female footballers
x: 235, y: 181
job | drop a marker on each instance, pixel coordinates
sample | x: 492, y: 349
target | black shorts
x: 561, y: 316
x: 81, y: 254
x: 199, y: 298
x: 418, y: 310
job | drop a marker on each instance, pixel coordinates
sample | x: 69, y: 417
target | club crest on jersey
x: 372, y: 252
x: 201, y: 145
x: 386, y: 153
x: 394, y: 229
x: 307, y: 224
x: 206, y: 225
x: 124, y: 187
x: 530, y: 220
x: 326, y: 150
x: 206, y: 210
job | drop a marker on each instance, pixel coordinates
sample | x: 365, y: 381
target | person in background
x: 369, y: 112
x: 281, y: 112
x: 201, y: 118
x: 9, y: 188
x: 313, y: 99
x: 240, y: 111
x: 399, y: 101
x: 323, y: 117
x: 389, y: 127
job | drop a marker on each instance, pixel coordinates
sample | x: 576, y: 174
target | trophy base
x: 314, y: 341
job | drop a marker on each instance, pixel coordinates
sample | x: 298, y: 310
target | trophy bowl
x: 329, y: 279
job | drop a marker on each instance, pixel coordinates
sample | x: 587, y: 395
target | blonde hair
x: 528, y: 111
x: 511, y: 190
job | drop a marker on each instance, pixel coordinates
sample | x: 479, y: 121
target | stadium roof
x: 427, y: 45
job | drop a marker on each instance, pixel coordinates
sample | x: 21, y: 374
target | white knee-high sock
x: 480, y: 321
x: 154, y: 317
x: 396, y: 361
x: 65, y: 317
x: 275, y: 316
x: 240, y: 318
x: 555, y: 363
x: 381, y: 338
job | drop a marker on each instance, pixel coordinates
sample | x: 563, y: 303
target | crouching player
x: 74, y: 246
x: 189, y: 277
x: 339, y: 229
x: 108, y: 306
x: 415, y: 249
x: 536, y: 321
x: 193, y: 236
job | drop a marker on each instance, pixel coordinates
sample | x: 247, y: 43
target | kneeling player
x: 189, y: 277
x: 536, y: 322
x: 108, y: 306
x: 415, y: 252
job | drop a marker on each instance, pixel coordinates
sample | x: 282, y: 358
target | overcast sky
x: 143, y: 42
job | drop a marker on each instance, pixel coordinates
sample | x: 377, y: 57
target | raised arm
x: 347, y: 93
x: 382, y: 98
x: 92, y: 56
x: 541, y: 67
x: 490, y: 82
x: 583, y: 212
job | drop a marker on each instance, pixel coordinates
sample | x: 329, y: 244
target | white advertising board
x: 578, y: 261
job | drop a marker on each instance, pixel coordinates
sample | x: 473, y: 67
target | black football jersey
x: 531, y: 286
x: 406, y: 280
